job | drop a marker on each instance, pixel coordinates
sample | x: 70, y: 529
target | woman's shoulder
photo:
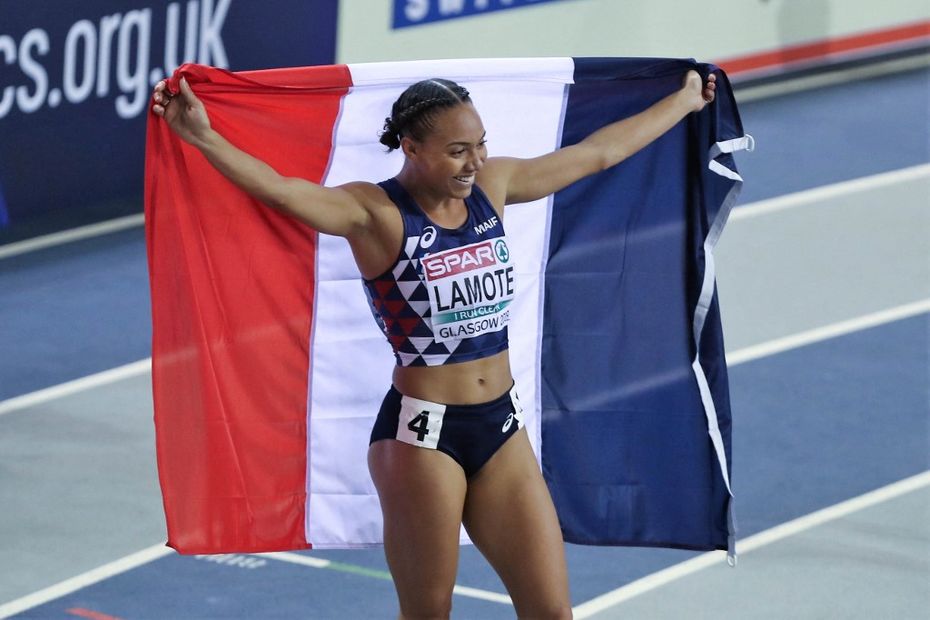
x: 492, y: 179
x: 369, y: 195
x: 375, y: 200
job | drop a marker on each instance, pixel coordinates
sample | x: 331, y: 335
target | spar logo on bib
x: 470, y: 289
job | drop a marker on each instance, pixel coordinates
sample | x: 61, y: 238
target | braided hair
x: 415, y: 110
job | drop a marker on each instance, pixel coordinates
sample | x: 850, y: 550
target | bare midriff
x: 465, y: 383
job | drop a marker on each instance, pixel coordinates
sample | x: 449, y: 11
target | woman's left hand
x: 699, y: 93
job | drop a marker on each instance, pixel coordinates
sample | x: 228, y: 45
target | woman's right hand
x: 184, y: 112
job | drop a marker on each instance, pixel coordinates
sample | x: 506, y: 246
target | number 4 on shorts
x: 420, y: 425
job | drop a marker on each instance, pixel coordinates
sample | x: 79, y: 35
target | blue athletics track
x: 824, y: 279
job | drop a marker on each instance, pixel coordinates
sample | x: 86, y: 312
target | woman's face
x: 453, y: 152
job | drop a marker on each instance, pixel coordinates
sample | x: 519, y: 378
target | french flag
x: 268, y: 368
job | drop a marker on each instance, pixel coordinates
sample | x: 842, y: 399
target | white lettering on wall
x: 34, y: 41
x: 171, y: 35
x: 451, y: 7
x: 419, y: 10
x: 8, y: 50
x: 77, y: 89
x: 133, y: 79
x: 108, y: 27
x: 212, y: 51
x: 415, y: 10
x: 112, y: 53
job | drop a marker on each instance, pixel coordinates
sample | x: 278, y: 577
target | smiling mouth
x: 465, y: 179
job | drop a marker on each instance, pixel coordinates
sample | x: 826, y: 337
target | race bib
x: 470, y: 289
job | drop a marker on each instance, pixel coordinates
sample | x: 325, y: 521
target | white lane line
x: 748, y: 210
x: 304, y: 560
x: 826, y: 332
x: 836, y: 511
x: 295, y: 558
x: 829, y: 192
x: 78, y: 385
x: 84, y: 579
x: 767, y: 537
x: 754, y: 209
x: 609, y: 599
x: 158, y: 551
x: 586, y: 609
x: 484, y: 595
x: 74, y: 234
x: 779, y: 345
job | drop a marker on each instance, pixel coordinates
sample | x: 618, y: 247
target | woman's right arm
x: 332, y: 210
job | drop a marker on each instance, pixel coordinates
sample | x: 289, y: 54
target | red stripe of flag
x: 231, y: 362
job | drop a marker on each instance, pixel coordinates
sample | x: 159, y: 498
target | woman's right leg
x: 422, y: 494
x: 511, y: 519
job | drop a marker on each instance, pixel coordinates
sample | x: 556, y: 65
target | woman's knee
x: 539, y: 610
x: 426, y: 604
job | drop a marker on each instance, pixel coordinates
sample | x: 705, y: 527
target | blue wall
x: 75, y: 80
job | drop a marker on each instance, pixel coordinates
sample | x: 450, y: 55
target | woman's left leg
x: 510, y: 517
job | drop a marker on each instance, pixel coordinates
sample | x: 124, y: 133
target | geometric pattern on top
x: 403, y: 301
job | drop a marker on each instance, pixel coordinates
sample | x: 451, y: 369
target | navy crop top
x: 446, y: 298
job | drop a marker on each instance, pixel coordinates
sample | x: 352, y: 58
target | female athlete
x: 448, y: 446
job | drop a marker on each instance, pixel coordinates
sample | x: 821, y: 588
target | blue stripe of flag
x: 633, y: 463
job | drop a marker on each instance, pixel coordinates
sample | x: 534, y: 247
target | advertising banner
x: 711, y: 30
x: 75, y: 81
x: 416, y: 12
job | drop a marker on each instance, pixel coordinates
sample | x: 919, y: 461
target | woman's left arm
x: 526, y: 180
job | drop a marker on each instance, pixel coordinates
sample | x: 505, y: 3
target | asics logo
x: 429, y: 235
x: 508, y: 422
